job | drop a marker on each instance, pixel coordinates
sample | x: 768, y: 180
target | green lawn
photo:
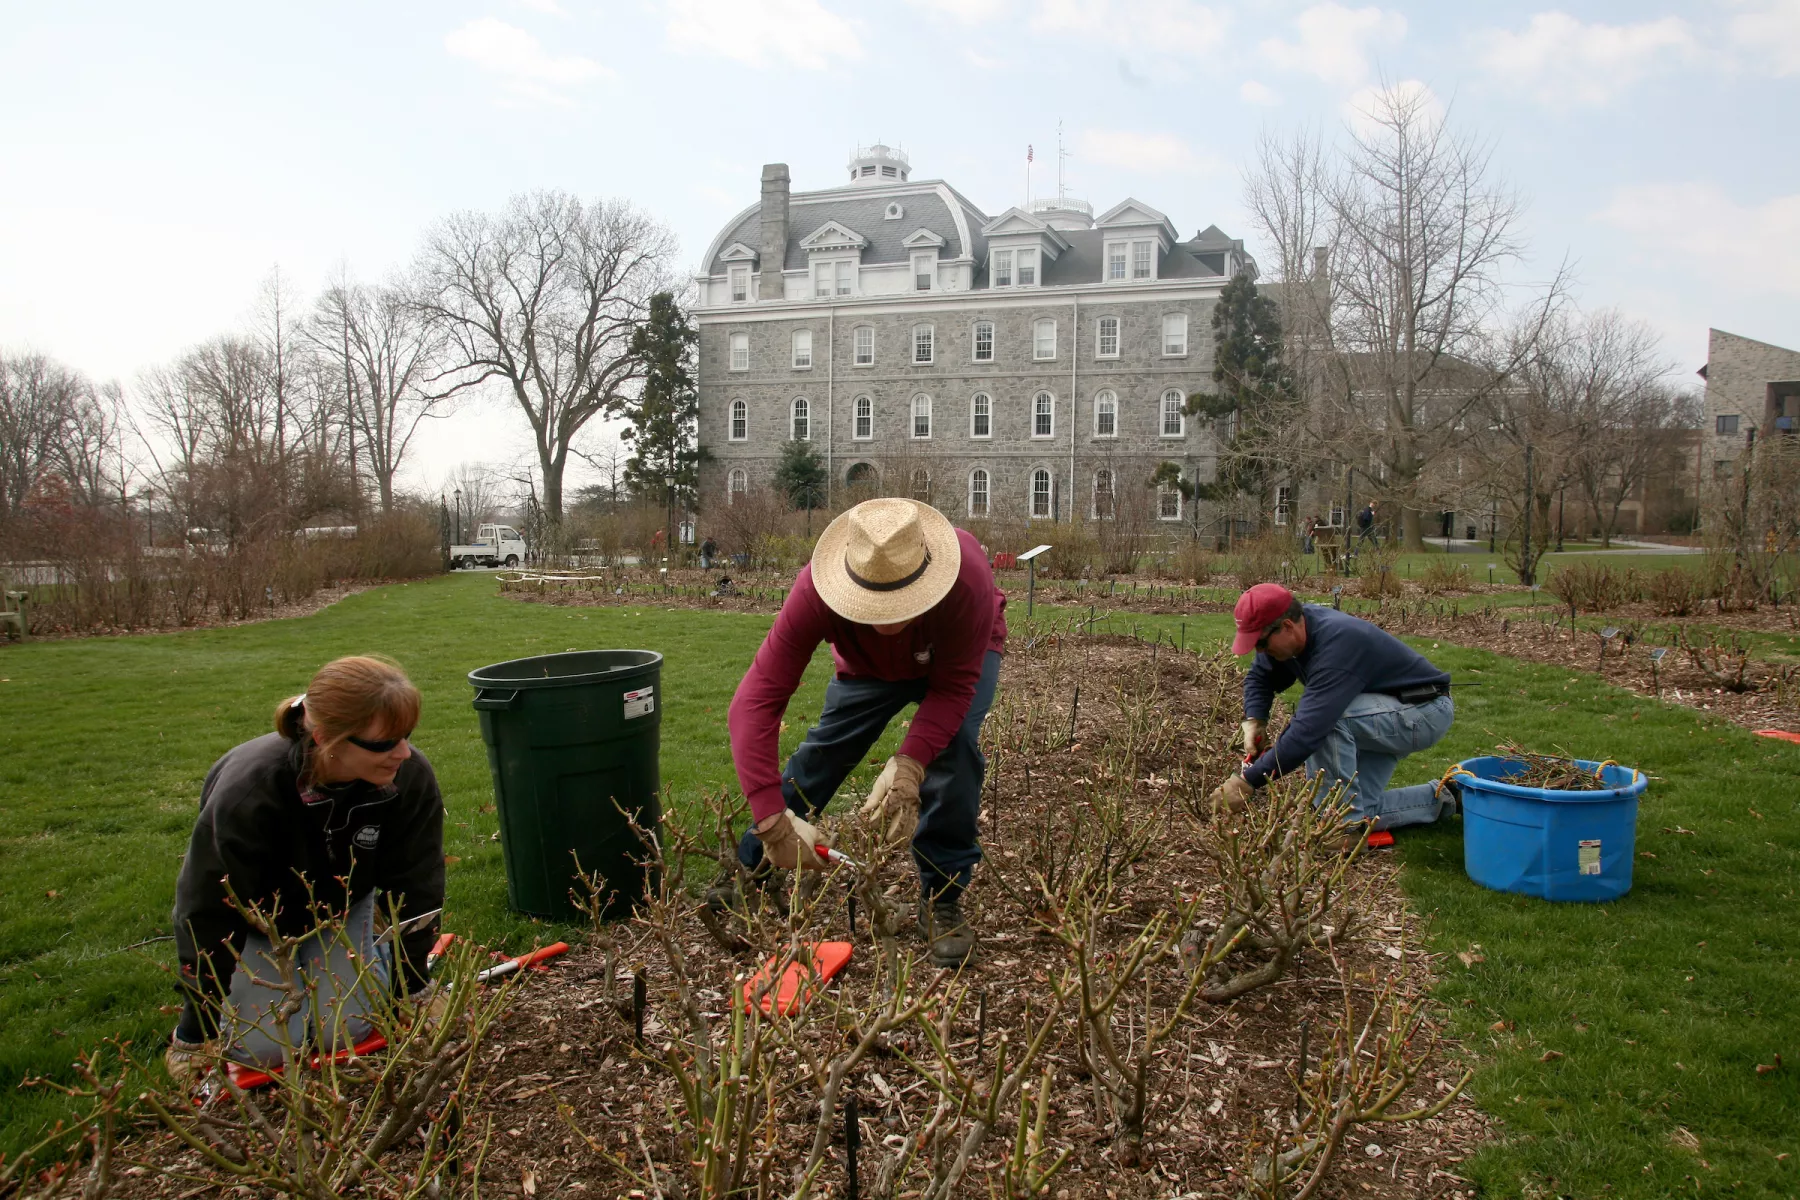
x: 103, y: 744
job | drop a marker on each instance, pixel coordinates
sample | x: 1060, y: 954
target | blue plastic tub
x: 1551, y: 844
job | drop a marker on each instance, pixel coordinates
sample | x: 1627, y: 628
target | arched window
x: 921, y: 416
x: 737, y: 483
x: 861, y: 475
x: 1106, y: 414
x: 802, y: 422
x: 981, y: 416
x: 921, y: 485
x: 740, y: 421
x: 1040, y: 493
x: 864, y: 428
x: 978, y: 492
x: 1104, y: 507
x: 1043, y: 415
x: 1174, y: 420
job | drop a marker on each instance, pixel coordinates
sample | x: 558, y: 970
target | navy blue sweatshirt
x: 1344, y: 657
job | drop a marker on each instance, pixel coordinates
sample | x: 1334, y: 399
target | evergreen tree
x: 800, y: 476
x: 1255, y: 397
x: 663, y: 419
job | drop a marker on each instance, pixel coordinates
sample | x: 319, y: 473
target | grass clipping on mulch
x: 1166, y: 1000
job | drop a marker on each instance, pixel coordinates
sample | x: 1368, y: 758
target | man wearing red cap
x: 1370, y: 701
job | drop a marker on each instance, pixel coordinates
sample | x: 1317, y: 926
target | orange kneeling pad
x: 798, y: 984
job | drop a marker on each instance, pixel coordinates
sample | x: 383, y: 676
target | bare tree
x: 39, y: 400
x: 480, y: 492
x: 392, y: 353
x: 545, y: 296
x: 1420, y: 230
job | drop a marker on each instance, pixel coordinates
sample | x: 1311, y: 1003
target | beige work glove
x: 1232, y: 796
x: 1255, y: 737
x: 789, y: 842
x: 430, y: 1004
x: 894, y: 800
x: 187, y: 1062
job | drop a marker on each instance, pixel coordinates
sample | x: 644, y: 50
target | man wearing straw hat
x: 909, y: 606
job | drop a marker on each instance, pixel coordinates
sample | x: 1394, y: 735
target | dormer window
x: 1002, y: 270
x: 1135, y: 259
x: 1028, y: 265
x: 740, y: 284
x: 924, y: 272
x: 834, y: 278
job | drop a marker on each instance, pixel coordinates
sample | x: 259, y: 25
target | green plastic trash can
x: 573, y: 739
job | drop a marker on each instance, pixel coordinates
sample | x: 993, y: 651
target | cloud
x: 1331, y: 42
x: 1163, y: 27
x: 763, y: 33
x: 980, y: 61
x: 1257, y: 93
x: 1363, y: 109
x: 549, y: 8
x: 1753, y: 248
x: 529, y: 73
x: 1154, y: 153
x: 1558, y: 57
x: 1771, y: 32
x: 966, y: 12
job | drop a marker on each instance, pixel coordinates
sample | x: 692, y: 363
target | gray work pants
x: 347, y: 976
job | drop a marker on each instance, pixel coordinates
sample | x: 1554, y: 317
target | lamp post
x: 458, y: 494
x: 669, y: 526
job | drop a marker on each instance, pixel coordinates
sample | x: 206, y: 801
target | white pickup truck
x: 494, y: 546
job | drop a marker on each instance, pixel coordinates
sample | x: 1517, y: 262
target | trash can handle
x: 496, y: 701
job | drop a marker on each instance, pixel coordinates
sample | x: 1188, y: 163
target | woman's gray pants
x: 346, y: 975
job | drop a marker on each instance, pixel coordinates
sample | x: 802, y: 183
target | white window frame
x: 920, y: 410
x: 1000, y: 268
x: 802, y: 347
x: 1106, y: 404
x: 1049, y: 412
x: 1143, y: 259
x: 737, y: 483
x: 930, y: 344
x: 1028, y: 259
x: 981, y: 411
x: 1112, y: 495
x: 985, y: 491
x: 1284, y: 503
x: 800, y: 419
x: 1037, y: 339
x: 738, y: 429
x: 1164, y: 412
x: 1031, y: 494
x: 845, y: 276
x: 924, y: 266
x: 912, y: 485
x: 821, y: 278
x: 862, y: 341
x: 1101, y: 336
x: 1118, y: 254
x: 862, y: 426
x: 1163, y: 492
x: 734, y: 277
x: 975, y: 341
x: 1174, y: 321
x: 739, y: 342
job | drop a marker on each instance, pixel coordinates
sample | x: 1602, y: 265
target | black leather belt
x: 1423, y: 693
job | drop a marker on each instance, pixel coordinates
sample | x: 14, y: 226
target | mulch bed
x: 562, y: 1079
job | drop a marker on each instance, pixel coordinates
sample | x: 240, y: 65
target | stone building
x: 1752, y: 389
x: 1028, y: 365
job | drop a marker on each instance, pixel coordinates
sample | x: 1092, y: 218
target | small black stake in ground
x: 852, y: 1142
x: 637, y: 1008
x: 852, y: 906
x: 980, y: 1025
x: 1074, y: 708
x: 1300, y: 1093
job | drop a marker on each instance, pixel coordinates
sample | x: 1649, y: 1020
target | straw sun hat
x: 886, y: 561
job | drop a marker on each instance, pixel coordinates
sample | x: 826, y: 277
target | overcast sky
x: 161, y: 159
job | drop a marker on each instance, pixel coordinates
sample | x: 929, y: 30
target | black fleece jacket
x: 309, y: 852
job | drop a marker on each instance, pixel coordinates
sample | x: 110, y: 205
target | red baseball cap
x: 1257, y: 609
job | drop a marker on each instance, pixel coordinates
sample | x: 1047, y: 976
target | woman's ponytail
x: 290, y: 718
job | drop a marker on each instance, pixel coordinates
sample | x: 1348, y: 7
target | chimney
x: 773, y: 252
x: 1321, y: 262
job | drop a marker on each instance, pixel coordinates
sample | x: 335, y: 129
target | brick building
x: 1031, y: 364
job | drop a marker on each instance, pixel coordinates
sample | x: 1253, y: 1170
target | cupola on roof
x: 879, y: 164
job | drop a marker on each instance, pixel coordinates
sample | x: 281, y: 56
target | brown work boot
x: 942, y: 924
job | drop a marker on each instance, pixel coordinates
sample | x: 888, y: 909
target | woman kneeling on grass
x: 307, y: 824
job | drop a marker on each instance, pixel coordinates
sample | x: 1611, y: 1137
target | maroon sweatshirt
x: 945, y: 646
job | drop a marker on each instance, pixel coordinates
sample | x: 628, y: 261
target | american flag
x: 1028, y: 153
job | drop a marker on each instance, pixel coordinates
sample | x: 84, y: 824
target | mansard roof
x: 930, y: 205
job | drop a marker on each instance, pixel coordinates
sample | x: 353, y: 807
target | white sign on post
x: 1032, y: 553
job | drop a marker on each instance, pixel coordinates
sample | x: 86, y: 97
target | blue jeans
x: 946, y: 845
x: 1368, y: 742
x: 349, y: 976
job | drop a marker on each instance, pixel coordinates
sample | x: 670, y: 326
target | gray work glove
x: 789, y: 842
x: 894, y: 800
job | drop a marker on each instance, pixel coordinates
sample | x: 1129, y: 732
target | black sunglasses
x: 378, y: 745
x: 1262, y: 643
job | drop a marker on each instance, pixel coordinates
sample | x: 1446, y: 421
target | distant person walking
x: 708, y: 548
x: 1365, y: 525
x: 1308, y: 531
